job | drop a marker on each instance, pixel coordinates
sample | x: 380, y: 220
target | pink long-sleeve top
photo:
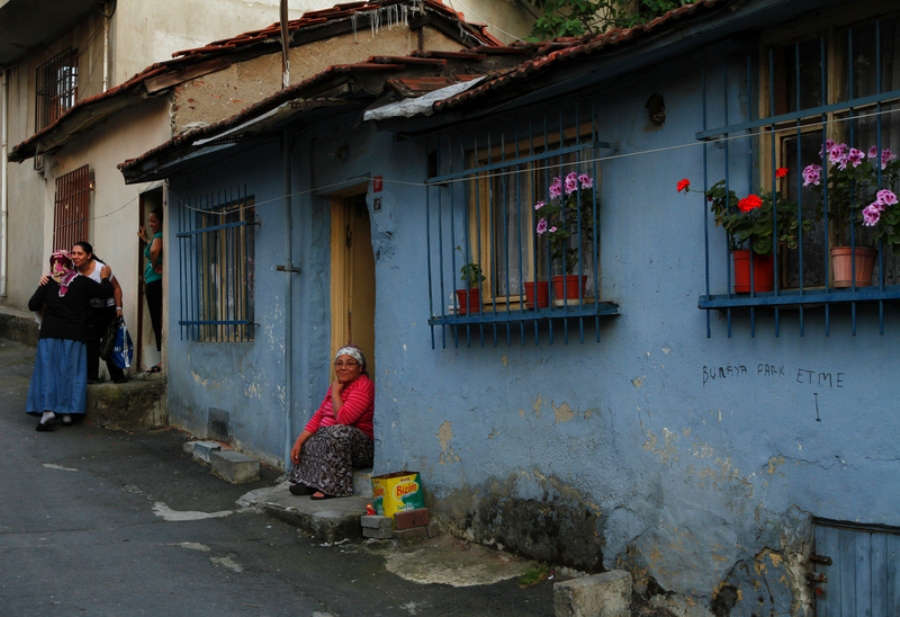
x: 358, y: 408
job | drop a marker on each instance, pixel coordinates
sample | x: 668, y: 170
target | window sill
x: 574, y: 308
x: 806, y: 298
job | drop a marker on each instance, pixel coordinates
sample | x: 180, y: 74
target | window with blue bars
x: 822, y: 140
x: 216, y: 238
x: 513, y: 216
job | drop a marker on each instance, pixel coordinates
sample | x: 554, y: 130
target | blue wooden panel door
x: 863, y: 579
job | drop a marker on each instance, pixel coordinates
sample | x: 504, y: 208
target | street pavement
x: 97, y: 523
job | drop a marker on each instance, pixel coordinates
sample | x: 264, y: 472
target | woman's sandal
x: 154, y: 369
x: 319, y: 496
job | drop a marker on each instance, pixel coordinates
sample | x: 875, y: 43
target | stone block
x: 234, y: 467
x: 601, y: 595
x: 432, y: 530
x: 373, y: 521
x: 134, y: 406
x: 411, y: 536
x: 378, y: 534
x: 411, y: 518
x: 201, y: 450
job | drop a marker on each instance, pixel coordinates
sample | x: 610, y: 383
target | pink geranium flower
x: 571, y: 183
x: 539, y: 205
x: 586, y: 181
x: 871, y: 214
x: 541, y: 226
x: 855, y: 157
x: 556, y: 188
x: 886, y: 197
x: 812, y: 175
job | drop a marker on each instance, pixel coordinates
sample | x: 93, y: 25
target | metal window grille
x: 840, y: 86
x: 57, y: 87
x: 72, y: 207
x: 216, y: 241
x: 481, y: 211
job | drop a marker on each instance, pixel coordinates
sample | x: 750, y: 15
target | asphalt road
x: 101, y: 523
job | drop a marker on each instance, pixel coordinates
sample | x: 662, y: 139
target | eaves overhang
x: 28, y: 25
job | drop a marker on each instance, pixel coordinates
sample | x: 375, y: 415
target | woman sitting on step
x: 340, y: 434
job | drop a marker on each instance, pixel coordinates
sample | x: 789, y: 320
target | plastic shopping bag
x: 123, y: 349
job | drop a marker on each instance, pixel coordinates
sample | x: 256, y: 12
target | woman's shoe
x: 154, y: 369
x: 300, y: 489
x: 67, y: 419
x: 47, y: 426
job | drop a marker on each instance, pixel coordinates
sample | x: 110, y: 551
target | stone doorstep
x: 134, y: 406
x: 233, y: 466
x: 329, y: 520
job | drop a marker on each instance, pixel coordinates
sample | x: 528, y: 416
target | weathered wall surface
x: 696, y: 463
x: 224, y: 93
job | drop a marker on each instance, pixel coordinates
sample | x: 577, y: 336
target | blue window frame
x: 515, y: 202
x: 216, y: 241
x: 836, y: 84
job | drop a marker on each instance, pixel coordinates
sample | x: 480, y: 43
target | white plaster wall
x: 508, y: 20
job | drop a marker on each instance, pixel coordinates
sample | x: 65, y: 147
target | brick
x: 374, y: 521
x: 409, y: 536
x: 411, y: 518
x: 234, y: 467
x: 380, y: 534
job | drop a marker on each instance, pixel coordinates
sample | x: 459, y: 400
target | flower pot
x: 763, y: 272
x: 469, y: 300
x: 842, y: 258
x: 541, y: 293
x: 569, y: 286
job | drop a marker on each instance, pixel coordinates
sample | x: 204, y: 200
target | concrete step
x: 329, y: 520
x: 138, y: 405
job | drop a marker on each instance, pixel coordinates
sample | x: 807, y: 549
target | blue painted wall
x: 696, y: 463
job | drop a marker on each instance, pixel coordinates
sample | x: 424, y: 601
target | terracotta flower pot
x: 542, y: 294
x: 842, y: 258
x: 569, y: 286
x: 763, y: 272
x: 469, y: 300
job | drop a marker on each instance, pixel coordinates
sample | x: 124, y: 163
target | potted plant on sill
x: 748, y: 225
x: 855, y: 178
x: 470, y: 296
x: 567, y: 223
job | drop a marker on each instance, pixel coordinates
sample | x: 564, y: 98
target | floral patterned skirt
x: 329, y: 456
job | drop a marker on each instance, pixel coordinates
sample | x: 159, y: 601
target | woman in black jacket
x: 59, y: 380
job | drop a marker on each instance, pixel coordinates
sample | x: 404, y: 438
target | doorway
x: 146, y: 354
x: 352, y: 277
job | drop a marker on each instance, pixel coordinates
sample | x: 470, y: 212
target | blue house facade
x: 733, y: 450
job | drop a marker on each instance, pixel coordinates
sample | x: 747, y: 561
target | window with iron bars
x: 513, y: 215
x: 824, y: 148
x: 216, y: 241
x: 72, y: 208
x: 57, y: 88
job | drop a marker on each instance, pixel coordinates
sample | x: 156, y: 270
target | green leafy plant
x: 576, y: 18
x: 471, y: 273
x: 748, y: 221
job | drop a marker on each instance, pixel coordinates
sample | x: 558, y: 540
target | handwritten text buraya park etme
x: 802, y: 376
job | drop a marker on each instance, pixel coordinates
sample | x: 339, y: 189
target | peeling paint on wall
x: 563, y: 413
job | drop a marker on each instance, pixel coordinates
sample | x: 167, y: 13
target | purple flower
x: 873, y: 152
x: 855, y: 157
x: 829, y: 144
x: 571, y: 183
x: 812, y: 175
x: 837, y: 155
x: 553, y: 230
x: 871, y: 215
x: 886, y: 197
x: 541, y: 226
x: 886, y: 157
x: 555, y: 188
x: 539, y: 205
x: 586, y: 181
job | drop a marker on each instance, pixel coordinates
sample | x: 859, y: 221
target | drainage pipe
x: 107, y: 16
x: 4, y: 178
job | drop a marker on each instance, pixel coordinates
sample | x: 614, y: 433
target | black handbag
x: 108, y: 340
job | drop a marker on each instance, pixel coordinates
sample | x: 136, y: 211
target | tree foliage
x: 579, y: 17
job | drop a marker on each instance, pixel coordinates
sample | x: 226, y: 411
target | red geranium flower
x: 684, y: 185
x: 750, y: 202
x: 781, y: 172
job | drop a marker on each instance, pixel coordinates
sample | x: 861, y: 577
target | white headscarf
x: 354, y: 352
